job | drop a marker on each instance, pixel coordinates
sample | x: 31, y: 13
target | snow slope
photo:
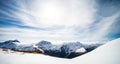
x: 105, y: 54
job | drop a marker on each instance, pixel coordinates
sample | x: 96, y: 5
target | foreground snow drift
x: 106, y: 54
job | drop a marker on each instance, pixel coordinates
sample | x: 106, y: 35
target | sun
x: 51, y: 13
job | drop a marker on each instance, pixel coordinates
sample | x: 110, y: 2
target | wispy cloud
x: 55, y: 20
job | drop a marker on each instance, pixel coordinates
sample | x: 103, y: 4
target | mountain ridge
x: 66, y: 50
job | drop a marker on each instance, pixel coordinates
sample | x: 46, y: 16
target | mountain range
x: 66, y: 50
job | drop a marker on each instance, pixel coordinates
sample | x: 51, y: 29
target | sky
x: 57, y: 21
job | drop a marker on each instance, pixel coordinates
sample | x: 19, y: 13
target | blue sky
x: 59, y: 20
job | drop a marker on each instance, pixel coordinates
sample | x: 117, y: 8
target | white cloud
x: 64, y: 20
x: 55, y: 12
x: 99, y: 30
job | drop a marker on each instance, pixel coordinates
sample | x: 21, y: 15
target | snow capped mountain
x: 45, y: 45
x: 13, y: 45
x: 72, y: 46
x: 10, y: 44
x: 66, y: 50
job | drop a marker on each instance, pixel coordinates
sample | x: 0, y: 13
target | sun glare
x: 51, y: 13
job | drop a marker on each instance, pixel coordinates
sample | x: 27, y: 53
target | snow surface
x: 106, y: 54
x: 81, y: 50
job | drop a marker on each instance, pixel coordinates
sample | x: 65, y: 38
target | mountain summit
x: 10, y: 44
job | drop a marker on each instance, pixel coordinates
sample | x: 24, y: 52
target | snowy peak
x: 43, y: 43
x: 10, y: 41
x: 10, y: 44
